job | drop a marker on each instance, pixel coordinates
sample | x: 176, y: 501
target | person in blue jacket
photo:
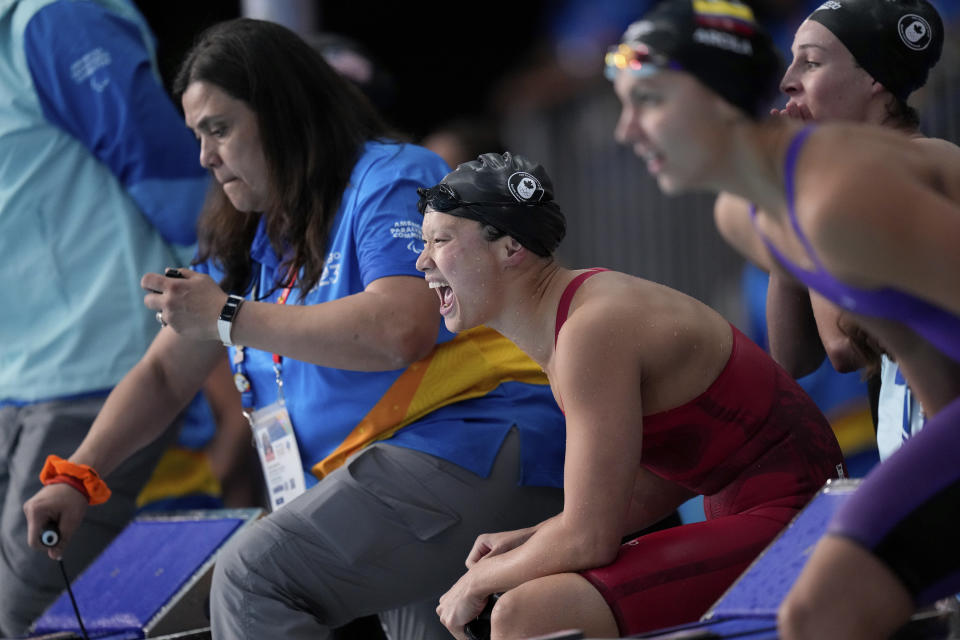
x: 387, y: 444
x: 98, y: 183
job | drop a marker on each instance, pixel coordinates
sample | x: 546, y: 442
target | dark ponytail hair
x: 901, y: 116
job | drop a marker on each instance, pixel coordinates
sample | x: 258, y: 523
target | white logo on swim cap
x: 914, y: 31
x: 830, y: 4
x: 524, y: 187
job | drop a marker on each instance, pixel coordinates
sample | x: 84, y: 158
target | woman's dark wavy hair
x: 312, y: 124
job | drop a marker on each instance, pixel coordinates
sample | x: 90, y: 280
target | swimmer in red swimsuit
x: 664, y: 401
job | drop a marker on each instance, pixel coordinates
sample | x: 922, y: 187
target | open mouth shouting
x: 446, y: 295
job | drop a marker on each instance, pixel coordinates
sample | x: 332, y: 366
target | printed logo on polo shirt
x: 331, y: 269
x: 524, y: 187
x: 914, y: 31
x: 407, y: 229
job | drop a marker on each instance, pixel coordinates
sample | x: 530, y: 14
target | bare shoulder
x: 605, y: 302
x: 730, y: 206
x: 862, y: 190
x: 597, y: 365
x: 605, y: 314
x: 937, y: 146
x: 616, y: 313
x: 846, y: 168
x: 937, y: 161
x: 731, y: 215
x: 844, y: 150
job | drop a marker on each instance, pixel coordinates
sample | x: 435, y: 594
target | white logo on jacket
x: 84, y: 67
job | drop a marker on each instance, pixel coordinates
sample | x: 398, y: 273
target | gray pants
x: 29, y: 581
x: 388, y: 530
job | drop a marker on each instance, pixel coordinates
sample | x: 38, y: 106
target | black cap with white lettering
x: 506, y: 191
x: 718, y: 41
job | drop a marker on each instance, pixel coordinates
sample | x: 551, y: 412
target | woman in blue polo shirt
x: 422, y: 439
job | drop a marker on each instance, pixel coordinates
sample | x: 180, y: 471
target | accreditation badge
x: 279, y: 455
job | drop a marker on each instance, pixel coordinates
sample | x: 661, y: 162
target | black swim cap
x: 896, y: 41
x: 507, y: 192
x: 718, y: 41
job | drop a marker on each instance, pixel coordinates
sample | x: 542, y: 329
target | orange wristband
x: 56, y: 468
x: 73, y: 482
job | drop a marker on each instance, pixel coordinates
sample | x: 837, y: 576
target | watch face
x: 230, y: 308
x: 227, y: 314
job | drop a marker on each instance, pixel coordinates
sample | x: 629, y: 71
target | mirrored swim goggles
x: 443, y: 198
x: 638, y: 59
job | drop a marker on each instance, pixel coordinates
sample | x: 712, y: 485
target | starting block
x: 152, y: 581
x: 748, y: 609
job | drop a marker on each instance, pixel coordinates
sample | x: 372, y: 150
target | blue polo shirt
x: 458, y: 403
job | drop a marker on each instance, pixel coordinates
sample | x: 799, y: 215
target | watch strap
x: 227, y: 316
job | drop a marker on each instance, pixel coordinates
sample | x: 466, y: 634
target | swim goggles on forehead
x: 637, y: 58
x: 439, y: 198
x: 443, y: 198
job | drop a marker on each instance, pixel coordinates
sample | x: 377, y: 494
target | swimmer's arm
x: 884, y: 228
x: 792, y: 328
x: 731, y: 214
x: 799, y: 336
x: 803, y: 326
x: 599, y: 379
x: 653, y: 500
x: 843, y: 354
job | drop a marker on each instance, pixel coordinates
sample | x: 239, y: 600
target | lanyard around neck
x: 240, y: 377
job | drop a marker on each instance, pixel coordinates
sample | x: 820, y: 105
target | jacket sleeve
x: 95, y: 77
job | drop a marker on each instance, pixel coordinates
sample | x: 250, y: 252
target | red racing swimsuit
x: 756, y: 447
